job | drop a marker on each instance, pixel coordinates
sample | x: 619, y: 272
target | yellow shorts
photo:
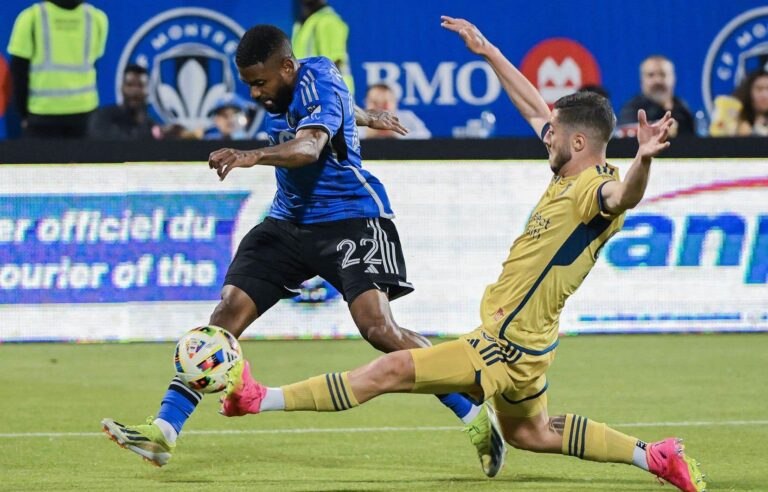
x: 484, y: 367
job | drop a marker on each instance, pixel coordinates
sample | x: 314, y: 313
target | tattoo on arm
x: 557, y: 424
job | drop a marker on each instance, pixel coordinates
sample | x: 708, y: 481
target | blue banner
x: 117, y: 248
x: 560, y: 46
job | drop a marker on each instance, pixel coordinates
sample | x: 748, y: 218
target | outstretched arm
x: 523, y: 94
x: 619, y: 196
x: 301, y: 151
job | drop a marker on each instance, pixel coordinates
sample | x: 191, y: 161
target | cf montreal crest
x: 739, y: 48
x: 189, y: 53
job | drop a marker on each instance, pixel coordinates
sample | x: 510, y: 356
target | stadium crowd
x: 55, y: 90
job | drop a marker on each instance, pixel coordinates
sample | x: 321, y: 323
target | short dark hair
x: 259, y: 43
x: 587, y: 110
x: 134, y: 68
x: 313, y: 4
x: 744, y: 94
x: 597, y: 89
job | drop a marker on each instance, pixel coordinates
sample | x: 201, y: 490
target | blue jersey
x: 336, y: 186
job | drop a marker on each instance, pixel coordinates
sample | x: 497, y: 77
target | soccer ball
x: 204, y: 356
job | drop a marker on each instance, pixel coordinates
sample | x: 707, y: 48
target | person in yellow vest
x: 320, y: 31
x: 54, y: 45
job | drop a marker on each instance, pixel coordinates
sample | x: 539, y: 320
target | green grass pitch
x: 713, y: 386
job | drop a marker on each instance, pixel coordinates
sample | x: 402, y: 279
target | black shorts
x: 353, y: 255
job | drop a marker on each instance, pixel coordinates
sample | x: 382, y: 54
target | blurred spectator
x: 319, y: 31
x: 753, y: 95
x: 657, y: 82
x: 54, y: 45
x: 229, y: 118
x: 129, y: 120
x: 381, y: 97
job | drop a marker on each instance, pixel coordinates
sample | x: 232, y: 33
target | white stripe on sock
x: 472, y: 414
x: 168, y: 431
x: 640, y: 458
x: 273, y: 400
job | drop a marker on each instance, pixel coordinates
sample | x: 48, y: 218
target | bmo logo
x: 558, y: 67
x: 473, y: 83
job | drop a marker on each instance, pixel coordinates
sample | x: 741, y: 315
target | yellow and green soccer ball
x: 204, y: 356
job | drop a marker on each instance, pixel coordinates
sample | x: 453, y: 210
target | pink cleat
x: 243, y: 394
x: 667, y: 461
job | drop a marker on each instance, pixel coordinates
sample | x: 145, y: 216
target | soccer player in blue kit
x: 330, y: 217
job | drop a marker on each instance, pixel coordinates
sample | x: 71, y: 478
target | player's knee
x: 231, y: 313
x: 391, y: 372
x: 222, y: 316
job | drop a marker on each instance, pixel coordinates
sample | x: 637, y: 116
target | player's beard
x: 283, y: 98
x: 559, y: 158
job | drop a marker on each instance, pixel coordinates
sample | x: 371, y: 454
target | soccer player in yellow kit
x: 505, y: 360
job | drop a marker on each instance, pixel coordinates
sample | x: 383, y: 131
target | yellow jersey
x: 548, y: 262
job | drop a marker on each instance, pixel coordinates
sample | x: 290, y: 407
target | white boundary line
x: 344, y: 430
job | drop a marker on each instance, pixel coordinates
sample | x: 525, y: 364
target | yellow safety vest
x: 324, y: 33
x: 62, y: 47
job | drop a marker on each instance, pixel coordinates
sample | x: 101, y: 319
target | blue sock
x: 178, y: 404
x: 459, y: 404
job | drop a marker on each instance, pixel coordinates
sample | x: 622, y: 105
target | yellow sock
x: 327, y: 393
x: 594, y: 441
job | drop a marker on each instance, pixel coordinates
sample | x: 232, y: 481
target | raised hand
x: 384, y: 120
x: 474, y: 39
x: 224, y: 160
x: 652, y: 138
